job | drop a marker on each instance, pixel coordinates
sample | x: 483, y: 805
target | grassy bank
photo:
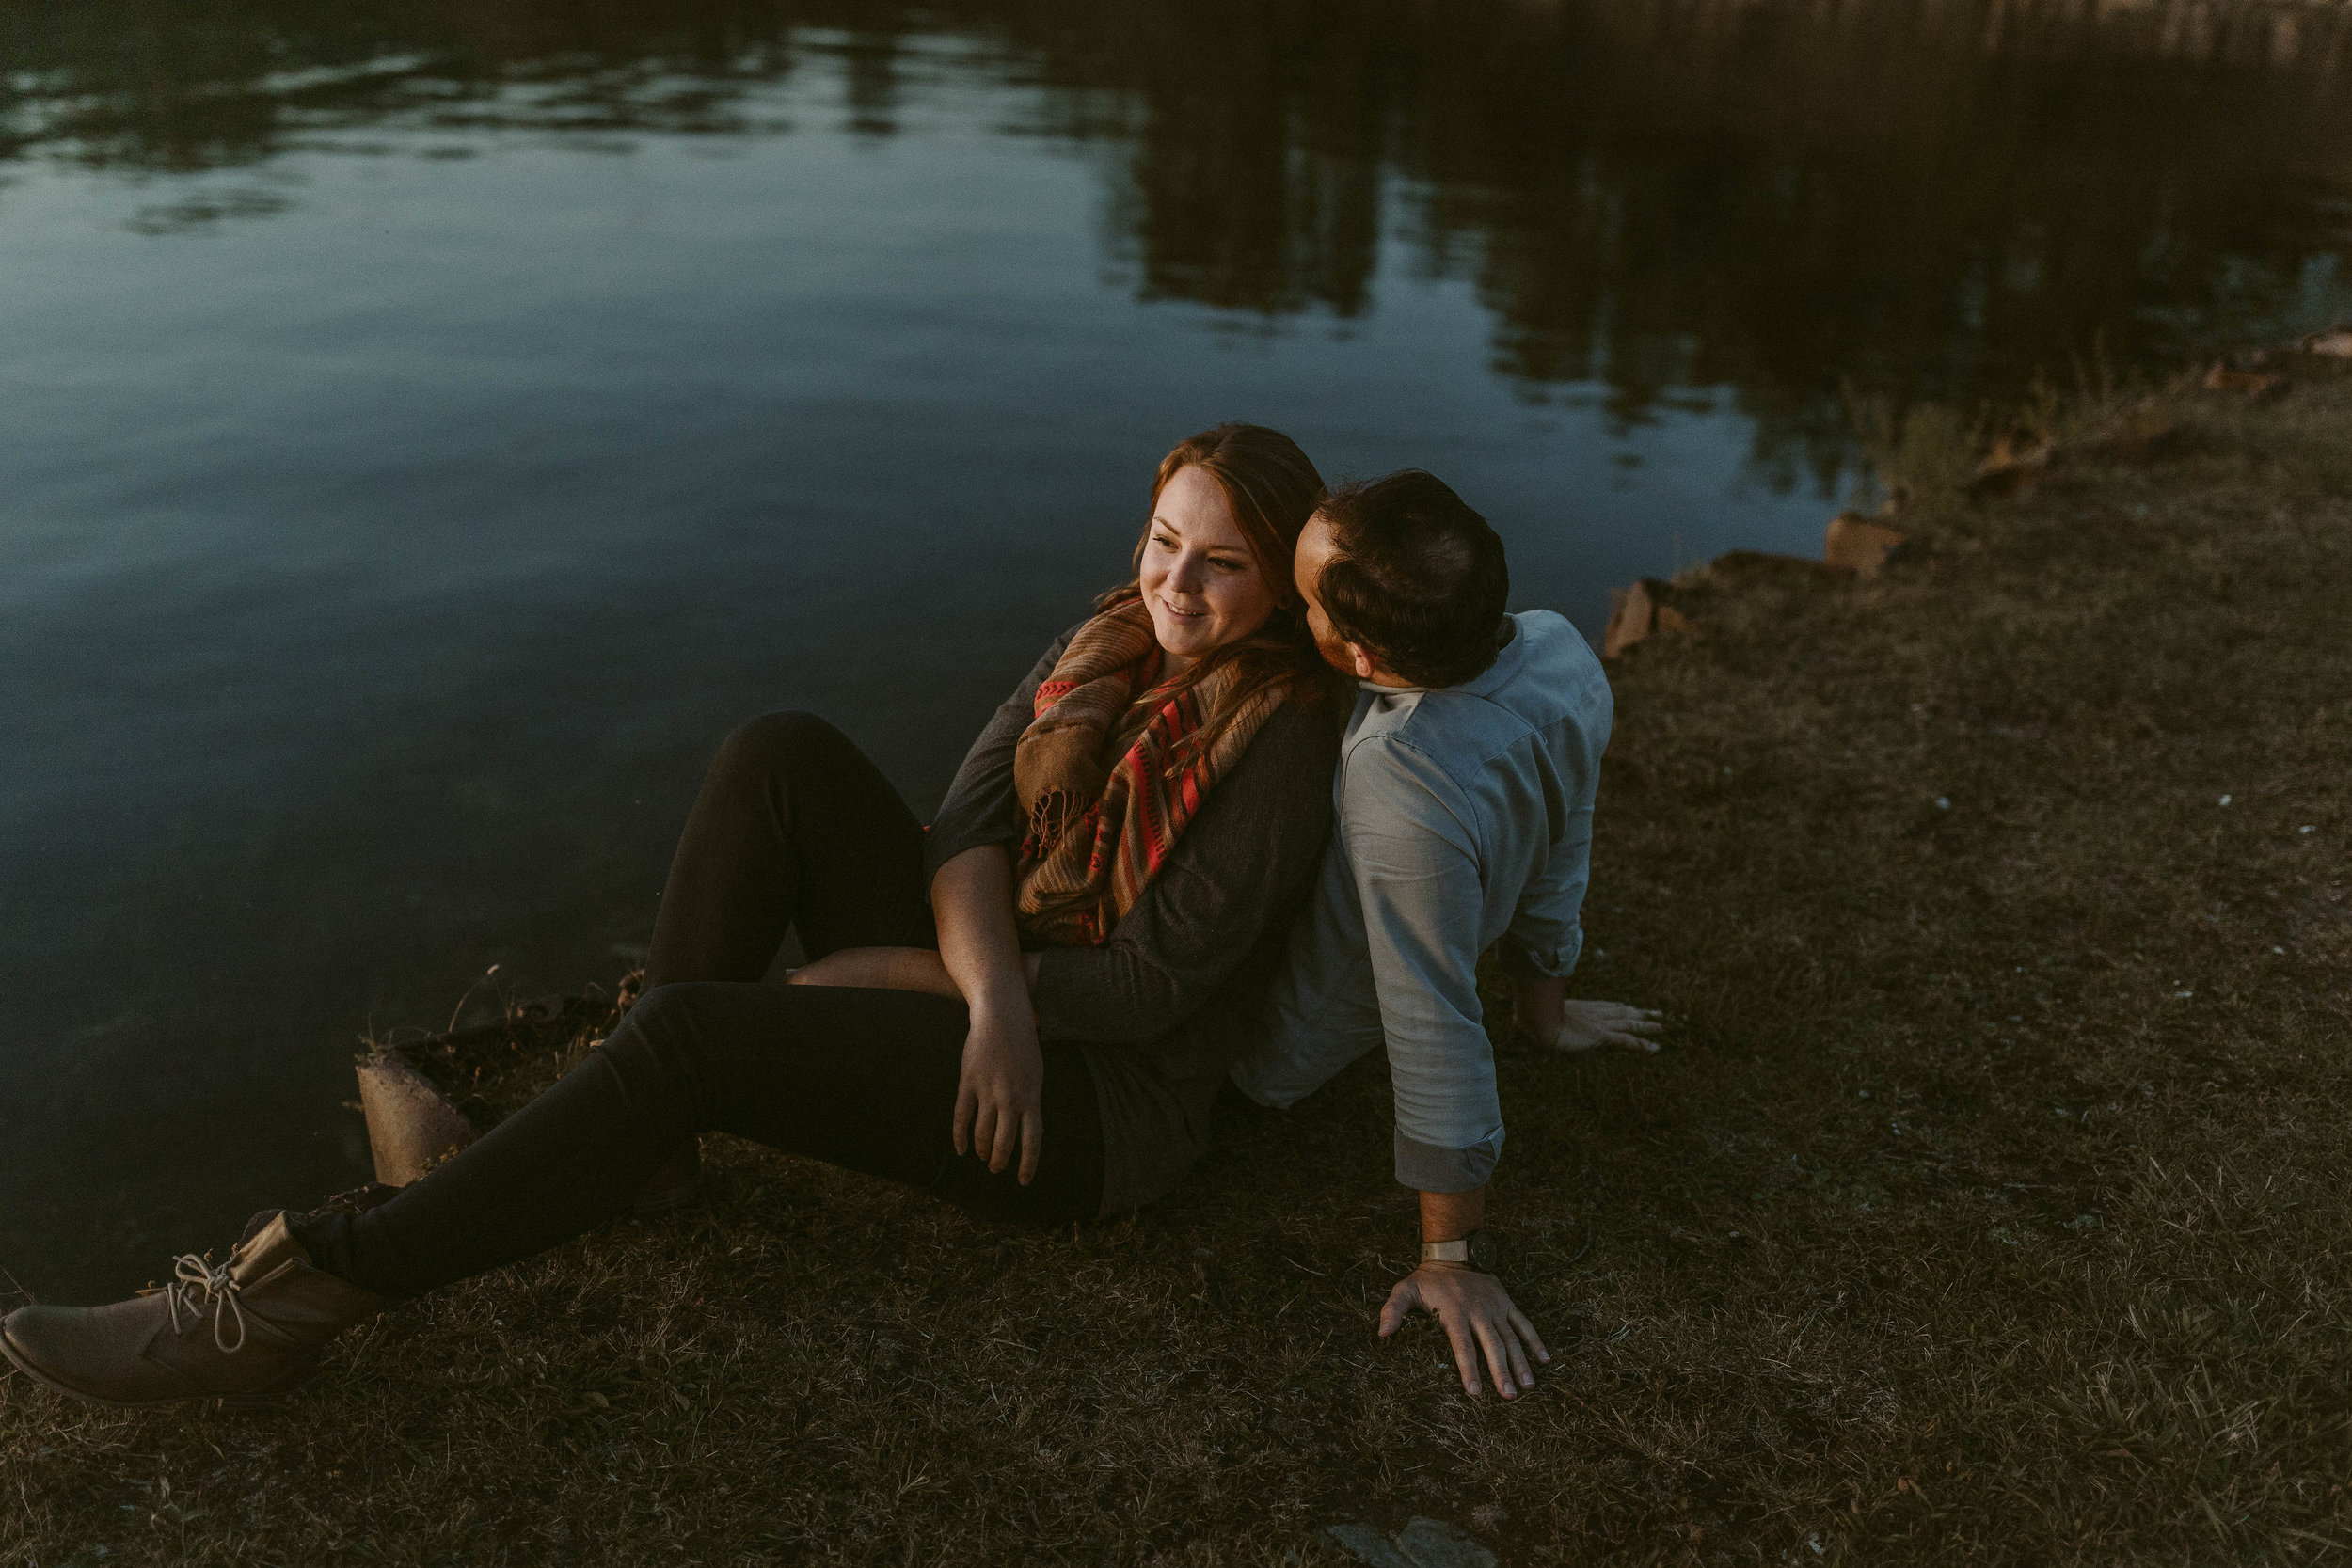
x: 1989, y: 1204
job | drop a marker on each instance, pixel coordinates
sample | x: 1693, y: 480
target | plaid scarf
x: 1096, y: 774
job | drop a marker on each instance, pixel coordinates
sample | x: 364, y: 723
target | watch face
x: 1482, y: 1252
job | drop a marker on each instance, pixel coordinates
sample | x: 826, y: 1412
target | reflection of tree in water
x: 1938, y: 198
x: 1934, y: 196
x: 1255, y: 182
x: 870, y: 61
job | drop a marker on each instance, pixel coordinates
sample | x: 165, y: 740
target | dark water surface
x: 428, y: 428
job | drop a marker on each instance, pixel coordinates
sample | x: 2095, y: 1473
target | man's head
x: 1404, y: 582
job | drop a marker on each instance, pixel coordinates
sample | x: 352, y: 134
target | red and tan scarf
x: 1094, y: 771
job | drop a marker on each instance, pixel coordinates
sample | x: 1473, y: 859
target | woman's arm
x: 979, y: 960
x: 1246, y: 857
x: 999, y: 1100
x: 979, y: 810
x: 892, y: 969
x: 879, y: 969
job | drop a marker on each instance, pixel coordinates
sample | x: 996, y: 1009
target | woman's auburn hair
x: 1272, y: 489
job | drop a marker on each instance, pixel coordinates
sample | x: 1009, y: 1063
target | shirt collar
x: 1508, y: 645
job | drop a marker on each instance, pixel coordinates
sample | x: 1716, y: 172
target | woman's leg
x: 861, y: 1079
x: 794, y: 827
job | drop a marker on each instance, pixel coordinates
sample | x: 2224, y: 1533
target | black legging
x: 795, y: 829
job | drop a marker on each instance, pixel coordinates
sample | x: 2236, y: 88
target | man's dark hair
x: 1419, y: 579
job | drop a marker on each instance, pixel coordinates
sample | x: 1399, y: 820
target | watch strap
x: 1475, y: 1250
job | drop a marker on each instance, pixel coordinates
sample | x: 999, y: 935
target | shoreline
x: 1979, y: 1207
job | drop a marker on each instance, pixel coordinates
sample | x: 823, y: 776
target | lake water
x: 430, y: 428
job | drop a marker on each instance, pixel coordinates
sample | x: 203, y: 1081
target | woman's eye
x: 1227, y: 562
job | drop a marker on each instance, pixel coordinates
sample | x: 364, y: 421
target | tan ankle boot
x: 249, y: 1329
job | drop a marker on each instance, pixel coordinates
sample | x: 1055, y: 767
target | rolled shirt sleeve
x: 1413, y: 846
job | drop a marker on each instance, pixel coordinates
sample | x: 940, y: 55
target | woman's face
x: 1200, y: 581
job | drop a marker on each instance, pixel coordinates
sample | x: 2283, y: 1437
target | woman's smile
x: 1202, y: 582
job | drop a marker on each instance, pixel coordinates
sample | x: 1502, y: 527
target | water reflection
x: 1932, y: 196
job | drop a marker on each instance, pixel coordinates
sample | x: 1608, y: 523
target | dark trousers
x: 795, y: 830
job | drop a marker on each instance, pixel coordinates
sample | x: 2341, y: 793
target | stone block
x: 2011, y: 469
x: 411, y: 1127
x: 2253, y: 383
x: 1857, y: 542
x: 2335, y: 343
x: 1423, y: 1542
x: 1632, y: 615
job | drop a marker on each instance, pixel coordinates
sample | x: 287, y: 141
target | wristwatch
x: 1477, y: 1249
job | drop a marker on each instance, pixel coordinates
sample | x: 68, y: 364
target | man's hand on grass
x: 1478, y: 1317
x: 1586, y: 1025
x: 1541, y: 1008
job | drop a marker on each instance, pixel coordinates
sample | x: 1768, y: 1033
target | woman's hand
x: 1000, y: 1099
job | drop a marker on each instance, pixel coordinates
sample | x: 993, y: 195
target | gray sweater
x: 1162, y: 1008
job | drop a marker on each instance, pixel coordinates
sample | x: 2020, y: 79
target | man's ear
x: 1363, y: 662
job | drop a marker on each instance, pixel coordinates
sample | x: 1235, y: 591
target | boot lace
x: 192, y: 1274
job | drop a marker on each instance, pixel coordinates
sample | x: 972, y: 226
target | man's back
x: 1464, y: 820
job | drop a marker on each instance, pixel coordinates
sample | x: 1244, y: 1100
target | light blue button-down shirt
x: 1464, y: 819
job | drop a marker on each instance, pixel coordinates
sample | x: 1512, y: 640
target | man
x: 1464, y: 820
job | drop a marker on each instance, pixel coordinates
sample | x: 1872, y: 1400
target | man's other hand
x: 1479, y: 1319
x: 1541, y: 1010
x: 1586, y: 1025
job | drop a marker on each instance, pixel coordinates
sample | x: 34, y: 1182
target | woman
x: 1026, y: 1010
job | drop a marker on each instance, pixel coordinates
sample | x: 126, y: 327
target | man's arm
x: 1415, y: 860
x: 1407, y: 831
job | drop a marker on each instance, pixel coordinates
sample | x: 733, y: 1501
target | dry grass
x: 1988, y: 1205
